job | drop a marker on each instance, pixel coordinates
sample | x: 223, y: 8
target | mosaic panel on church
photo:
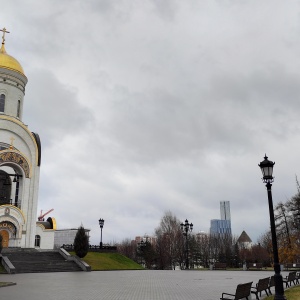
x: 16, y: 158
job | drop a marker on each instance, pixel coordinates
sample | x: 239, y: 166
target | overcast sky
x: 150, y: 106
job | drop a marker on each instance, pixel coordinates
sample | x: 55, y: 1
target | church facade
x: 20, y: 161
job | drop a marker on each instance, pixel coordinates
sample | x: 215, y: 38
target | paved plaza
x: 127, y: 285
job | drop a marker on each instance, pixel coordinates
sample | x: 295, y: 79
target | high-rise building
x: 225, y: 210
x: 222, y: 226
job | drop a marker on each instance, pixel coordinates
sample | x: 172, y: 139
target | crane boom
x: 41, y: 217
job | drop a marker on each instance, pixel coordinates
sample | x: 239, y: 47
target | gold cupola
x: 7, y: 61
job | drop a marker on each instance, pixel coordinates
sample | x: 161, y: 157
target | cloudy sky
x: 151, y: 106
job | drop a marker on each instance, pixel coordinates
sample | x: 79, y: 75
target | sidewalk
x: 128, y: 285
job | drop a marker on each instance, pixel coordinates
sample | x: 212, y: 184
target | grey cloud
x: 181, y: 100
x: 52, y: 108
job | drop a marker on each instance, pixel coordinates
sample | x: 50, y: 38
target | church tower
x: 20, y: 158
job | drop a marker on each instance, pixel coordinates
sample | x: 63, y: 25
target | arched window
x: 2, y: 102
x: 37, y: 242
x: 18, y: 109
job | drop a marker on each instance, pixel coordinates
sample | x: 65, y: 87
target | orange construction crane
x: 41, y: 217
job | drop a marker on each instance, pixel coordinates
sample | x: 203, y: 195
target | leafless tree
x: 169, y: 243
x: 128, y: 248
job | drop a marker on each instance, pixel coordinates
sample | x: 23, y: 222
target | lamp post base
x: 279, y: 297
x: 279, y: 291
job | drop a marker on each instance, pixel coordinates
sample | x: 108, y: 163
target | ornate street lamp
x: 141, y: 248
x: 267, y: 171
x: 101, y: 223
x: 186, y: 227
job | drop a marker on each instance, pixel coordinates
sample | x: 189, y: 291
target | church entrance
x: 5, y: 238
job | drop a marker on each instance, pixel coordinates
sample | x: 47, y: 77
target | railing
x: 83, y: 265
x: 92, y: 248
x: 8, y: 266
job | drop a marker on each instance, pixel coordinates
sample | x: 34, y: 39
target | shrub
x: 81, y: 243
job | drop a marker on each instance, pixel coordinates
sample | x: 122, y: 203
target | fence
x: 92, y: 248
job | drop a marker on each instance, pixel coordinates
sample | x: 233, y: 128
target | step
x: 33, y: 261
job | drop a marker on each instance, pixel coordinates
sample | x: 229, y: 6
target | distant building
x: 225, y: 210
x: 244, y: 240
x: 66, y: 236
x: 222, y: 226
x: 145, y: 238
x: 201, y: 236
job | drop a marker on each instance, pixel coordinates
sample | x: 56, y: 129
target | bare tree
x: 282, y: 224
x: 265, y: 240
x: 128, y: 248
x: 203, y: 249
x: 169, y: 243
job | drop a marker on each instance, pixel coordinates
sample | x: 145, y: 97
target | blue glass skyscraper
x: 222, y: 226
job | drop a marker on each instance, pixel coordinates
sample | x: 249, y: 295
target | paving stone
x: 128, y: 285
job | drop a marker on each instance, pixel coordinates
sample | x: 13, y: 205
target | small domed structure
x: 244, y: 240
x: 9, y: 62
x: 12, y: 83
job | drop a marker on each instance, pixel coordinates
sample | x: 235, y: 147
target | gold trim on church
x: 12, y: 156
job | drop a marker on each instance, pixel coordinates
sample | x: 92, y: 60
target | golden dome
x: 8, y: 62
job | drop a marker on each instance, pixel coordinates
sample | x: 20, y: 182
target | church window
x: 2, y: 102
x: 37, y: 242
x: 19, y: 106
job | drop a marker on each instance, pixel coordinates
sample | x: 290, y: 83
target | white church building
x: 20, y: 161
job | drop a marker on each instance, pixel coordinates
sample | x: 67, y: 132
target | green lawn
x: 109, y: 261
x: 2, y: 270
x: 3, y: 284
x: 292, y: 293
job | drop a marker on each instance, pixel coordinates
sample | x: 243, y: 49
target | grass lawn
x: 2, y: 270
x: 109, y: 261
x: 3, y: 284
x: 292, y: 293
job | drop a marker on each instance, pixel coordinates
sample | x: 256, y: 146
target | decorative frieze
x: 9, y: 156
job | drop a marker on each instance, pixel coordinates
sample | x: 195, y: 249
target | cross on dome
x: 3, y: 35
x: 6, y: 60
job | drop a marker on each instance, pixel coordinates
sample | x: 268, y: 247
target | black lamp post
x: 101, y: 223
x: 186, y: 228
x: 267, y: 171
x: 141, y: 247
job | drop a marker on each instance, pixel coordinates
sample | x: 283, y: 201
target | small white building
x: 66, y: 236
x: 244, y: 241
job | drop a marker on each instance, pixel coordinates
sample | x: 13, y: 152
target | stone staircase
x: 35, y: 261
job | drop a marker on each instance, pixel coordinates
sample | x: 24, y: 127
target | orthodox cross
x: 3, y: 35
x: 12, y: 143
